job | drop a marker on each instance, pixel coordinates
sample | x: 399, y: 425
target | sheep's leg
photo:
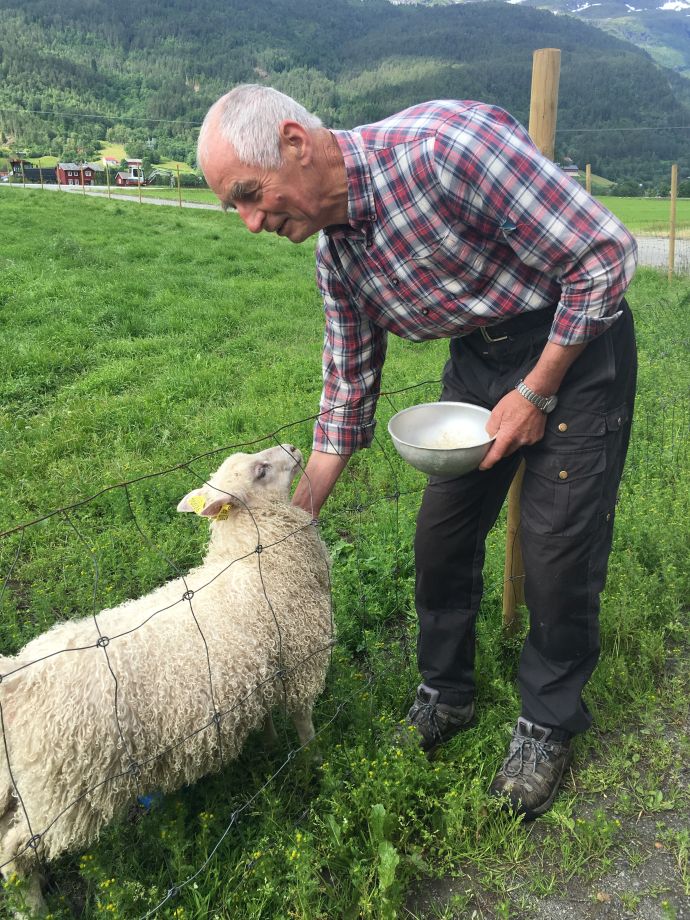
x: 269, y: 732
x: 304, y: 725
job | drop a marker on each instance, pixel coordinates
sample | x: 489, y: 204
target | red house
x: 71, y: 174
x: 133, y: 176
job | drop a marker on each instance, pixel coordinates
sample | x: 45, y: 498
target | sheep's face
x: 245, y: 479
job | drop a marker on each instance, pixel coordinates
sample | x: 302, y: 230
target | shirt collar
x: 361, y: 211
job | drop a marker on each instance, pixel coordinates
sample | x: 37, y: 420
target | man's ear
x: 295, y: 141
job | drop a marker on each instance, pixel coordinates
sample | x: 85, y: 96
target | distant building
x: 27, y: 172
x: 134, y: 175
x: 76, y: 174
x: 569, y: 168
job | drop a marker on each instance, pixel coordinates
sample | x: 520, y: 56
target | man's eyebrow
x: 241, y: 191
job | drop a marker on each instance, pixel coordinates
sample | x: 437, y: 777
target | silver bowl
x: 441, y: 438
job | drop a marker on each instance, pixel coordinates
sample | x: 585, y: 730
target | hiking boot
x: 435, y: 722
x: 532, y: 771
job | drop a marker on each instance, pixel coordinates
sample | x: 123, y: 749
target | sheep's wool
x: 267, y: 630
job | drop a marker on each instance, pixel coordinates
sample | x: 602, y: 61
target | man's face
x: 281, y: 201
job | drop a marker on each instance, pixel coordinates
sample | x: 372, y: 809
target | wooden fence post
x: 588, y: 178
x: 672, y: 222
x: 546, y: 68
x: 179, y: 187
x: 107, y: 178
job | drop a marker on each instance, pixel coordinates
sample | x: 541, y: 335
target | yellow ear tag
x: 223, y: 514
x: 197, y: 503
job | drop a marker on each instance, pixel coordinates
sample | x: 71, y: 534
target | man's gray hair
x: 248, y: 117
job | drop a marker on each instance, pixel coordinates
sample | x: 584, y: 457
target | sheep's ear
x: 199, y: 503
x: 193, y: 502
x: 260, y: 469
x: 218, y: 507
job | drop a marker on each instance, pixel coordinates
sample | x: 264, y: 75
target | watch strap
x: 545, y: 404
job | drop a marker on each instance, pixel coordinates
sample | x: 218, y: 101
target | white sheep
x: 165, y: 688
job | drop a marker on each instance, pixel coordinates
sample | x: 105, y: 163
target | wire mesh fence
x: 69, y: 564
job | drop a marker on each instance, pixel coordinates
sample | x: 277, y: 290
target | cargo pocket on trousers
x: 562, y: 492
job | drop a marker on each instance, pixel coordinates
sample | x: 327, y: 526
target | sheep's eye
x: 261, y: 470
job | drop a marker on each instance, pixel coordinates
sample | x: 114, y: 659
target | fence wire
x: 659, y: 450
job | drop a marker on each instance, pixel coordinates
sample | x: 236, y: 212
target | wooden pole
x: 107, y: 178
x: 83, y: 184
x: 179, y: 188
x: 672, y: 222
x: 546, y: 68
x: 21, y: 164
x: 588, y: 178
x: 139, y: 181
x: 40, y: 173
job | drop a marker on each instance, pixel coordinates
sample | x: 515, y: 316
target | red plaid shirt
x: 456, y: 221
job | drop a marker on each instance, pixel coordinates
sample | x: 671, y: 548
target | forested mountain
x: 661, y: 27
x: 76, y: 71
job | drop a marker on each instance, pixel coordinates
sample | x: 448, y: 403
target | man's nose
x: 251, y: 216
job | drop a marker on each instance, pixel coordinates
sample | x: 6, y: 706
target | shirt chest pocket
x: 455, y: 265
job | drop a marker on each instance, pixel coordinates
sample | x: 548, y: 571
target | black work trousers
x: 567, y: 513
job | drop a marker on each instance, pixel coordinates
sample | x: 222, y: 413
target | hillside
x: 144, y: 75
x: 661, y: 28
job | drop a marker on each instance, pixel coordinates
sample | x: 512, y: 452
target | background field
x: 135, y: 340
x: 643, y: 216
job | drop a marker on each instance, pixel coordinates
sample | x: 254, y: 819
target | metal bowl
x: 441, y: 438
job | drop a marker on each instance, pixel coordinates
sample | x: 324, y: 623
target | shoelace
x: 538, y: 748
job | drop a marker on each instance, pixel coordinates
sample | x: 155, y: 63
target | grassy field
x: 118, y: 152
x: 642, y: 216
x: 134, y: 341
x: 649, y: 216
x: 202, y: 195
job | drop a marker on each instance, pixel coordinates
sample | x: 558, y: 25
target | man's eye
x: 245, y: 195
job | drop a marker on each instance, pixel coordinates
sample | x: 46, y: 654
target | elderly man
x: 444, y: 221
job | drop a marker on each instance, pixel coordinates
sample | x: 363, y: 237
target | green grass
x: 133, y: 340
x: 649, y: 216
x: 202, y: 195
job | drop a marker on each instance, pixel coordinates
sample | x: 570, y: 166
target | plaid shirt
x: 455, y: 221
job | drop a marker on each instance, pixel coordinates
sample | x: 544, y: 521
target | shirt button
x: 563, y: 474
x: 562, y: 427
x: 394, y: 280
x: 425, y: 311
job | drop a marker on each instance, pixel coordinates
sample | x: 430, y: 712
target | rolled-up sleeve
x: 353, y: 356
x: 490, y: 170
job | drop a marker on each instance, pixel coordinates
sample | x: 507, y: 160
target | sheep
x: 158, y: 691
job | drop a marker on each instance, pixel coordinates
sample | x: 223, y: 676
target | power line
x: 170, y: 121
x: 195, y: 124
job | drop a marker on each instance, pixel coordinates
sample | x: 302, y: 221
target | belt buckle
x: 487, y: 338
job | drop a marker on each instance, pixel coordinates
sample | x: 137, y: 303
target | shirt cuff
x: 574, y: 329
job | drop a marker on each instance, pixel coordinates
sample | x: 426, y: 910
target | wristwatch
x: 545, y: 404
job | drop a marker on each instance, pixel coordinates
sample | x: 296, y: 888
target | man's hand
x: 515, y: 422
